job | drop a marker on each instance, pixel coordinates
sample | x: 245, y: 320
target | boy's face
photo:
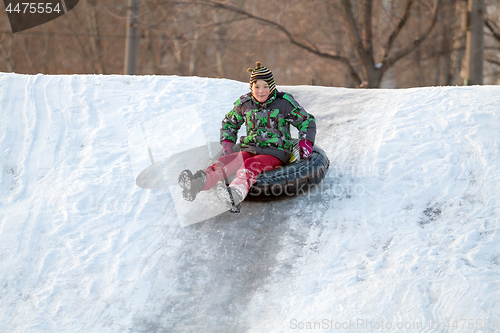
x: 260, y: 90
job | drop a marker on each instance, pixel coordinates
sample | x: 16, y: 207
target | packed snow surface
x: 403, y: 231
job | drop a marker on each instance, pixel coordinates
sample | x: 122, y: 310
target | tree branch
x: 492, y: 61
x: 365, y: 57
x: 491, y: 26
x: 387, y: 62
x: 356, y: 39
x: 367, y: 26
x: 397, y: 28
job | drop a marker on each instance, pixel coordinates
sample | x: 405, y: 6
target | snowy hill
x: 403, y: 232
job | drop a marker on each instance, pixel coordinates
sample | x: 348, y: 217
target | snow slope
x: 404, y: 230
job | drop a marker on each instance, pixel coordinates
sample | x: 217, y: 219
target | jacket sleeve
x: 232, y: 122
x: 300, y: 119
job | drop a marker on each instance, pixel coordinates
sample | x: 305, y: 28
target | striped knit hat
x: 262, y: 73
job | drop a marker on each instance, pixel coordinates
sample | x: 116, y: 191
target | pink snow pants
x: 246, y: 173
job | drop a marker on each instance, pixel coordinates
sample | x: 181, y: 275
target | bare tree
x: 361, y: 36
x: 8, y: 53
x: 492, y: 37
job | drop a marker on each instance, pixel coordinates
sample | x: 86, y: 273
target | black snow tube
x: 291, y: 179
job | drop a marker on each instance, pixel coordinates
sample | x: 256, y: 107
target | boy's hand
x: 227, y: 147
x: 305, y: 148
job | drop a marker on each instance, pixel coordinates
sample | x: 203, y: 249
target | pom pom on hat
x: 257, y: 66
x: 262, y: 73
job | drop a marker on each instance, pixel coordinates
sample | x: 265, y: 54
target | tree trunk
x: 8, y: 53
x: 220, y: 52
x: 475, y: 43
x: 446, y: 44
x: 194, y: 54
x: 95, y: 42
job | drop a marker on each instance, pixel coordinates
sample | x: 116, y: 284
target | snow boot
x: 192, y: 184
x: 231, y: 197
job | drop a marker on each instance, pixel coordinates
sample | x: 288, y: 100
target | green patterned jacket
x: 268, y: 124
